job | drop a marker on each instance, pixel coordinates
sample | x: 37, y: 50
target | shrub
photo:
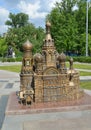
x: 17, y: 59
x: 82, y: 59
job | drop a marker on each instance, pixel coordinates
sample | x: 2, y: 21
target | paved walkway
x: 72, y: 120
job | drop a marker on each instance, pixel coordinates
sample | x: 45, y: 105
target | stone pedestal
x: 13, y: 107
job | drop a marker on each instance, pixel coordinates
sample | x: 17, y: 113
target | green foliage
x: 69, y: 26
x: 82, y: 59
x: 17, y: 36
x: 17, y: 59
x: 8, y: 59
x: 3, y: 47
x: 20, y: 31
x: 17, y: 20
x: 68, y: 29
x: 64, y: 26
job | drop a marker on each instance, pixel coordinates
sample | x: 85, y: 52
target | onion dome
x: 48, y: 24
x: 61, y: 57
x: 38, y: 57
x: 27, y: 46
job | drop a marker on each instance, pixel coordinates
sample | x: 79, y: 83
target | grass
x: 85, y: 84
x: 14, y: 68
x: 17, y: 68
x: 80, y: 66
x: 82, y: 73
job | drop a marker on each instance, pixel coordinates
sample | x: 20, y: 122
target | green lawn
x: 80, y: 66
x: 85, y: 84
x: 14, y: 68
x: 17, y: 68
x: 82, y: 73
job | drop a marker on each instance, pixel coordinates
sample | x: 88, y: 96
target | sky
x: 36, y: 9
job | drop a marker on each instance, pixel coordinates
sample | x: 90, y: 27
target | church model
x: 44, y: 77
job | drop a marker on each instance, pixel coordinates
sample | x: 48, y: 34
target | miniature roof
x: 27, y: 45
x: 48, y: 35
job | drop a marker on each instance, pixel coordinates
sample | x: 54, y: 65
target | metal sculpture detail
x: 44, y: 77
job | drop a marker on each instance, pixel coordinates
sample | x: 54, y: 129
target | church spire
x: 48, y: 49
x: 48, y: 34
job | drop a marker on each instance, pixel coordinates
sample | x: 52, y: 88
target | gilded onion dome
x: 48, y: 24
x: 38, y: 57
x: 27, y: 46
x: 61, y: 57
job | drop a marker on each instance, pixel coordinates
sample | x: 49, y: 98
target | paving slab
x: 60, y: 124
x: 72, y: 120
x: 7, y: 75
x: 3, y: 104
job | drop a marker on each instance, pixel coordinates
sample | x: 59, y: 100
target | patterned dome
x: 38, y: 57
x: 48, y: 24
x: 61, y: 57
x: 27, y: 45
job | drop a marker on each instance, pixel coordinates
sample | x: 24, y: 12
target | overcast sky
x: 36, y: 9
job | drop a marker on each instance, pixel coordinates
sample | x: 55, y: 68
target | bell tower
x: 26, y: 69
x: 48, y: 49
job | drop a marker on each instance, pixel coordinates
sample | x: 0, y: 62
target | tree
x: 68, y: 19
x: 3, y: 47
x: 89, y: 19
x: 81, y: 20
x: 64, y: 25
x: 17, y: 20
x: 81, y: 16
x: 17, y: 36
x: 21, y: 30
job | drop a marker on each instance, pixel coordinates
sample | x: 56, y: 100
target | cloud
x: 36, y: 9
x: 32, y: 9
x: 3, y: 17
x: 3, y: 29
x: 51, y: 3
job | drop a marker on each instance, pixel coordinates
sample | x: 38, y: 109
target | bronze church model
x: 44, y: 77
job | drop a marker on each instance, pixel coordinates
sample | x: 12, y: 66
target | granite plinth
x: 13, y: 107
